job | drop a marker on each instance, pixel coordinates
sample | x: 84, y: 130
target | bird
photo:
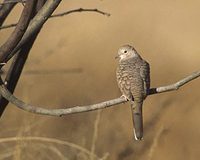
x: 133, y: 77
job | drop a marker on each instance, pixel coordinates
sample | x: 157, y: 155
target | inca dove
x: 133, y: 77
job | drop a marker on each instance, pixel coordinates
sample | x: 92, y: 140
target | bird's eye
x: 125, y: 51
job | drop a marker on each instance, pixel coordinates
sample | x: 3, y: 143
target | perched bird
x: 133, y: 77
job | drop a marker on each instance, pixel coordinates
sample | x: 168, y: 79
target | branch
x: 175, y: 86
x: 8, y: 26
x: 35, y: 25
x: 78, y: 109
x: 19, y: 61
x: 5, y: 10
x: 63, y: 14
x: 19, y: 31
x: 80, y: 10
x: 12, y: 1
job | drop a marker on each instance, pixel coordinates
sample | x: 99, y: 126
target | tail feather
x: 137, y: 119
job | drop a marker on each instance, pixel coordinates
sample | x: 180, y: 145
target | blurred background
x: 72, y: 63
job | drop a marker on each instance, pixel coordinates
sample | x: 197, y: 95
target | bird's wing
x: 145, y: 74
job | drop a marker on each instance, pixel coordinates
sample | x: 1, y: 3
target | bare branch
x: 8, y: 26
x: 80, y: 10
x: 19, y: 31
x: 12, y: 1
x: 64, y: 14
x: 78, y: 109
x: 176, y: 85
x: 5, y: 10
x: 18, y: 63
x: 35, y: 25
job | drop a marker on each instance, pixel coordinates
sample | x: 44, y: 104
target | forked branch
x: 78, y: 109
x: 19, y: 31
x: 35, y: 25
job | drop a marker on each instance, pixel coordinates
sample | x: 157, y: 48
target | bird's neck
x: 130, y: 61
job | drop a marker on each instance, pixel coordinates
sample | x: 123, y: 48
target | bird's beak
x: 117, y: 57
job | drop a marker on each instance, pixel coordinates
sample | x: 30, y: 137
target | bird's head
x: 126, y: 52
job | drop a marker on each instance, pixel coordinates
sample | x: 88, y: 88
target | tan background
x: 165, y: 33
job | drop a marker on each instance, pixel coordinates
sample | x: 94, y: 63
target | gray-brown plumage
x: 133, y: 77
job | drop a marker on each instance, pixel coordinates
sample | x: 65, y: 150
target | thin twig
x: 64, y: 14
x: 8, y: 26
x: 78, y: 109
x: 80, y: 10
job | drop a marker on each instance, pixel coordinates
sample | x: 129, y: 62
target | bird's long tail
x: 137, y: 119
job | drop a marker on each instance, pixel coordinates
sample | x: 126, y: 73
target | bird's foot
x: 2, y: 64
x: 123, y: 96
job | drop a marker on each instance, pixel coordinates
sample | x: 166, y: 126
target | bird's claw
x: 1, y: 64
x: 123, y: 96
